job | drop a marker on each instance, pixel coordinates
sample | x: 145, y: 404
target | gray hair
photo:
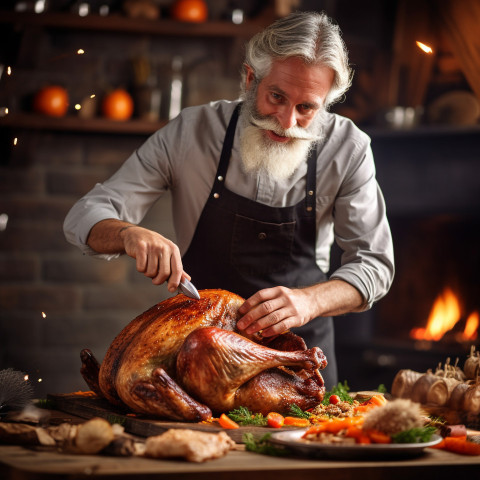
x: 310, y: 36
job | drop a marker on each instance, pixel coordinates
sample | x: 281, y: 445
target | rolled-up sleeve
x: 360, y: 225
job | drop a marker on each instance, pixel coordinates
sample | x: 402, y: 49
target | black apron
x: 244, y: 246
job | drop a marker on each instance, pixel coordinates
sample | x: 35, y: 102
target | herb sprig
x: 243, y: 416
x: 296, y: 411
x: 414, y: 435
x: 262, y: 445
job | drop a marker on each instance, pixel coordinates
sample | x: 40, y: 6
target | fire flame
x: 424, y: 47
x: 445, y: 314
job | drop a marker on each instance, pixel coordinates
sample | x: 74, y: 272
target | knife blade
x: 187, y: 288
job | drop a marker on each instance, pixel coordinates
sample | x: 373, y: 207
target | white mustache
x: 292, y: 132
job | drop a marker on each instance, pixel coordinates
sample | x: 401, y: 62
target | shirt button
x: 262, y: 236
x: 309, y: 209
x: 220, y: 178
x: 216, y: 195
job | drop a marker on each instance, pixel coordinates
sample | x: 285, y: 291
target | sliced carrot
x: 316, y: 429
x: 296, y: 422
x: 363, y: 408
x: 364, y: 440
x: 275, y: 420
x: 227, y: 422
x: 378, y: 437
x: 354, y: 431
x: 378, y: 400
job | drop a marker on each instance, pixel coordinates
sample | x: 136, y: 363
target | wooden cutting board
x: 88, y: 407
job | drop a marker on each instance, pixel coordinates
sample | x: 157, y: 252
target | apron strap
x: 227, y: 148
x: 310, y: 185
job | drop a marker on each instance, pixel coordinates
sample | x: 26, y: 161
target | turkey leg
x: 163, y: 397
x: 214, y: 363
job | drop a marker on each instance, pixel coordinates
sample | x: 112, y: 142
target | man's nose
x: 287, y: 117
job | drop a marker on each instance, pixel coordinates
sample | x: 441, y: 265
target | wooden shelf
x: 122, y: 24
x: 30, y: 121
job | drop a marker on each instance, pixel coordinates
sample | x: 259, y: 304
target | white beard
x: 261, y: 154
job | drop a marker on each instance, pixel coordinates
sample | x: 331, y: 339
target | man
x: 260, y: 188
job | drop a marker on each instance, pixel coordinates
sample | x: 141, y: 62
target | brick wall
x: 86, y: 301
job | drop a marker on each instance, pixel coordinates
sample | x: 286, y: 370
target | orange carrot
x: 378, y: 437
x: 355, y: 431
x: 460, y: 445
x: 275, y: 420
x: 227, y: 422
x: 377, y: 400
x: 316, y: 429
x: 296, y: 422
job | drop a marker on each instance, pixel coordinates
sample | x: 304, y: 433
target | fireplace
x: 430, y: 179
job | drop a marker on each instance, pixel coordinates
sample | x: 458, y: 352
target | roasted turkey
x: 183, y: 359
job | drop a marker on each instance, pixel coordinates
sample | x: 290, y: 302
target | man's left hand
x: 275, y: 310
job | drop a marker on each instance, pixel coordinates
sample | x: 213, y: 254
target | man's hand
x: 156, y: 257
x: 275, y: 310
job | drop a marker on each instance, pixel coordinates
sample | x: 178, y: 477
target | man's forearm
x: 335, y: 297
x: 106, y: 236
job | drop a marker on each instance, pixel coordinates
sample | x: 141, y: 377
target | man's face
x: 282, y: 116
x: 292, y: 93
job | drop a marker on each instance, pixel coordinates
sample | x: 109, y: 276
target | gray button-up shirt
x: 183, y: 157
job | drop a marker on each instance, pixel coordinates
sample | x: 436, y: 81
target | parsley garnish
x: 261, y: 445
x: 296, y: 411
x: 243, y: 416
x: 414, y: 435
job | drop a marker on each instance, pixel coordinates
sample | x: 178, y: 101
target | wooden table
x: 19, y: 463
x: 41, y: 463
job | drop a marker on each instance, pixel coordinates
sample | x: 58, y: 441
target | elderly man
x: 260, y: 187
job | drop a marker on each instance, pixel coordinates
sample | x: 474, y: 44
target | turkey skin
x: 185, y: 359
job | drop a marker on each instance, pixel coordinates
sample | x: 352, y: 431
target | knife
x: 187, y: 288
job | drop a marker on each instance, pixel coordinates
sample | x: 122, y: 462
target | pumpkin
x: 117, y: 105
x: 51, y: 100
x: 194, y: 11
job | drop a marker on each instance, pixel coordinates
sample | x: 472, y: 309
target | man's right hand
x: 156, y: 257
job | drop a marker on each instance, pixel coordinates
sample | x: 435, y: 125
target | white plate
x: 293, y: 441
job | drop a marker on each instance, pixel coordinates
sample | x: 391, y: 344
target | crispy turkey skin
x: 183, y: 359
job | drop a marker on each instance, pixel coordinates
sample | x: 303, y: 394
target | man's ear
x: 249, y: 75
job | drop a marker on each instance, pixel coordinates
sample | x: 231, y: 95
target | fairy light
x: 424, y: 47
x: 78, y: 106
x: 40, y: 380
x: 92, y: 95
x: 9, y: 70
x: 44, y: 315
x: 15, y: 141
x: 80, y: 51
x: 26, y: 377
x: 3, y: 221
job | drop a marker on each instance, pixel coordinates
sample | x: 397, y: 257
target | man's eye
x: 305, y: 108
x: 277, y: 97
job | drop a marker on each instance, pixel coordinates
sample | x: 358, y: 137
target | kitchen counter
x: 20, y: 463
